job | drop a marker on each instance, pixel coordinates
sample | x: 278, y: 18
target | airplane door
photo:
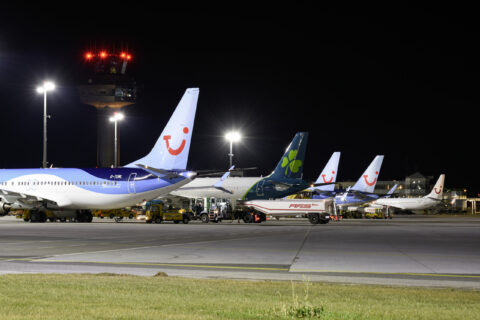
x: 260, y: 188
x: 131, y: 183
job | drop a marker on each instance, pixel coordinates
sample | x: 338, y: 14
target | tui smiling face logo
x: 177, y: 151
x: 370, y: 183
x: 438, y: 192
x: 331, y: 179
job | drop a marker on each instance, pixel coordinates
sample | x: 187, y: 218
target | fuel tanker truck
x: 316, y: 210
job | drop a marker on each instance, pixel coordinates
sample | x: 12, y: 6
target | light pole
x: 232, y: 136
x: 116, y: 116
x: 47, y: 86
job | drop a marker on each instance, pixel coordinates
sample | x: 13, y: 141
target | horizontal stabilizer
x: 164, y: 174
x: 322, y: 184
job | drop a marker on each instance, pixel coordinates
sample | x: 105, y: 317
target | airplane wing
x: 359, y: 195
x: 217, y: 185
x: 321, y: 184
x: 29, y: 200
x: 214, y: 172
x: 283, y: 184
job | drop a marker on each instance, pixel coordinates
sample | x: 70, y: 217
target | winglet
x: 219, y: 183
x: 391, y: 191
x: 172, y: 147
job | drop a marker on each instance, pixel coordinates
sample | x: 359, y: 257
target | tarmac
x: 423, y: 251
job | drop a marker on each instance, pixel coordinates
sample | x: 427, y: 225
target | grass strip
x: 108, y: 296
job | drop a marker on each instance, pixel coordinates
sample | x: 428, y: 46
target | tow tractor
x: 117, y: 214
x: 157, y: 212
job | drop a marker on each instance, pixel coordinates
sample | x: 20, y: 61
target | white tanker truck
x: 316, y: 210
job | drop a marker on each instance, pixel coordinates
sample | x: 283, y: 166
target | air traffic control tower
x: 107, y: 86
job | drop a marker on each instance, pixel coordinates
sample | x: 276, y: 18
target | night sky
x: 399, y: 81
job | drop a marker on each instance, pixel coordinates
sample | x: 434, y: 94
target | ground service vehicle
x: 211, y: 209
x: 44, y: 215
x: 376, y: 213
x: 317, y: 211
x: 114, y: 213
x: 157, y: 212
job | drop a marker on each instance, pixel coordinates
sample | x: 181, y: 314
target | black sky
x: 399, y: 81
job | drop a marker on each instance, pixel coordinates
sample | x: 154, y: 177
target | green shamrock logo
x: 291, y: 163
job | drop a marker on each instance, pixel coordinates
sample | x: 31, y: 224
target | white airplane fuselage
x: 72, y: 188
x: 408, y: 203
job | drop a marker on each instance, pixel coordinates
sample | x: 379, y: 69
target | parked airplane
x: 286, y: 179
x: 362, y: 191
x: 71, y: 192
x: 430, y: 200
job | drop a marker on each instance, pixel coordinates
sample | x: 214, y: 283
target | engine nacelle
x: 4, y: 208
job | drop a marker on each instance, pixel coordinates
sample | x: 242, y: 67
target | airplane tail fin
x: 369, y: 178
x: 437, y: 191
x: 329, y: 173
x: 291, y: 164
x: 171, y: 149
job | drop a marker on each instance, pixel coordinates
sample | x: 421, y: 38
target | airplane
x: 428, y: 201
x: 73, y: 192
x: 286, y: 179
x: 362, y: 191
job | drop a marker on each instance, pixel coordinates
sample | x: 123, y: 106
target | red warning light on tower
x: 103, y: 54
x: 125, y: 56
x: 88, y: 55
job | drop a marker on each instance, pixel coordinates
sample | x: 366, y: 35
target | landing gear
x: 38, y: 216
x: 84, y: 216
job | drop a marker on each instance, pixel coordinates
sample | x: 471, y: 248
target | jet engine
x: 4, y: 208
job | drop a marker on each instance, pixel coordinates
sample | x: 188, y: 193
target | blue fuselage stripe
x: 99, y: 180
